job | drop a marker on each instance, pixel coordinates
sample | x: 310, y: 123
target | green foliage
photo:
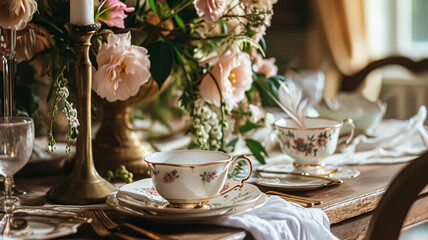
x: 268, y: 87
x: 248, y: 127
x: 161, y: 61
x: 257, y: 149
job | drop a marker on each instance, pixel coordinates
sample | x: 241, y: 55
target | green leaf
x: 177, y: 54
x: 153, y: 6
x: 161, y: 61
x: 179, y: 22
x: 262, y: 43
x: 242, y: 40
x: 248, y: 127
x: 138, y: 37
x: 232, y: 144
x: 223, y: 26
x: 257, y: 149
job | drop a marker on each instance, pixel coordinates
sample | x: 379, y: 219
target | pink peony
x: 122, y: 68
x: 266, y: 66
x: 210, y: 10
x: 15, y: 14
x: 233, y: 75
x: 112, y: 13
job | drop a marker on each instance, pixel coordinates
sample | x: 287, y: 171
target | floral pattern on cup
x: 170, y: 177
x: 225, y: 187
x: 207, y: 177
x: 308, y: 146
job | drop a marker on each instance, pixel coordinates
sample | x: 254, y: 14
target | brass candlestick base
x: 84, y: 185
x: 116, y: 143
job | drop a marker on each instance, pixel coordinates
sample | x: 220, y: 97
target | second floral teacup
x: 190, y: 178
x: 310, y: 145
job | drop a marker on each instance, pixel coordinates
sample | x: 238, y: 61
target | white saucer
x: 165, y: 217
x: 44, y: 228
x: 293, y: 183
x: 142, y: 194
x: 301, y: 183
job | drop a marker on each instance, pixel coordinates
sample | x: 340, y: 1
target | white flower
x: 206, y: 112
x: 202, y: 135
x: 74, y: 121
x: 63, y: 92
x: 216, y: 132
x: 255, y: 113
x: 260, y: 4
x: 269, y: 119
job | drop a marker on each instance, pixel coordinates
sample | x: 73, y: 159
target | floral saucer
x: 192, y: 217
x: 301, y: 183
x: 142, y: 194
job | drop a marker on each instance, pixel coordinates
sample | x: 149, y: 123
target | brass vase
x: 116, y: 143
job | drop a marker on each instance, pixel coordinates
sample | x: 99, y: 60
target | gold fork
x: 111, y: 225
x: 304, y: 199
x: 300, y: 202
x: 102, y: 231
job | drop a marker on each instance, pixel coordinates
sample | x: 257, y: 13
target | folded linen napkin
x: 279, y: 219
x: 402, y: 141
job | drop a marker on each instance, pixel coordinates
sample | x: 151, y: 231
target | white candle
x: 82, y: 11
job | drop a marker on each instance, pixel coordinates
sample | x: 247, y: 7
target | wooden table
x: 349, y: 207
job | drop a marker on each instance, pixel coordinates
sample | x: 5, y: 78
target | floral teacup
x: 309, y: 146
x: 190, y: 178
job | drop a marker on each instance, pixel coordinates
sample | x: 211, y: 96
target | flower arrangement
x: 212, y: 49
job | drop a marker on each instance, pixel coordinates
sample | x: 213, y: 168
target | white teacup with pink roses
x: 190, y: 178
x: 310, y: 145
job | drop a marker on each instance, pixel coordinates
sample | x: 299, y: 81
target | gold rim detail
x: 340, y: 123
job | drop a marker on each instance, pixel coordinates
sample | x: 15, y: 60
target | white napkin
x: 401, y: 142
x: 279, y: 219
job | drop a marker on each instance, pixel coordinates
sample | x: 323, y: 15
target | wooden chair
x: 350, y: 83
x: 392, y: 209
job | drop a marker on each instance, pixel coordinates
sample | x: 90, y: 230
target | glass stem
x: 9, y: 64
x: 9, y: 202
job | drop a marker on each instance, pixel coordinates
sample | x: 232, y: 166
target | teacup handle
x: 232, y: 167
x: 351, y: 135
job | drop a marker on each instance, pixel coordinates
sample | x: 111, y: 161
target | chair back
x: 350, y: 83
x: 392, y: 209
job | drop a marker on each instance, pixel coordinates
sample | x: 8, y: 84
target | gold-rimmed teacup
x: 190, y: 178
x: 310, y: 145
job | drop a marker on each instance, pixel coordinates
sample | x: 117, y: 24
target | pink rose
x: 210, y: 10
x: 112, y: 13
x: 122, y: 68
x: 266, y: 66
x: 15, y: 14
x: 233, y: 75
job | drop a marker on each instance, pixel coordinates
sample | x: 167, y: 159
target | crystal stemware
x: 16, y: 145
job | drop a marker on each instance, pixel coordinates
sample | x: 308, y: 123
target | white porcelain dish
x: 141, y: 194
x: 114, y: 203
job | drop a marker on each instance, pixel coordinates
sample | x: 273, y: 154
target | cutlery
x: 102, y: 231
x: 294, y: 200
x: 304, y: 174
x: 316, y: 202
x: 111, y: 225
x: 59, y: 217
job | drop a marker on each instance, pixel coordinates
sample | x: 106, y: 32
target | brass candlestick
x: 84, y: 185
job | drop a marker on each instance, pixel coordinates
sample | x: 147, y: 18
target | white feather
x: 291, y: 102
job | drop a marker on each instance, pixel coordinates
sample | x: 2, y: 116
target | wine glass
x: 16, y: 145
